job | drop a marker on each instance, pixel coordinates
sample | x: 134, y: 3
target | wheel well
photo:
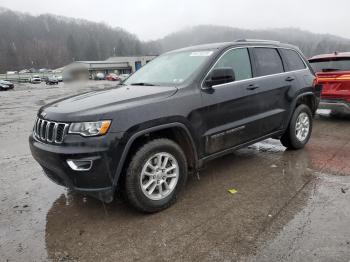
x: 177, y: 134
x: 308, y: 100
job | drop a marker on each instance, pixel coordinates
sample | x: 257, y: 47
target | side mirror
x: 220, y: 76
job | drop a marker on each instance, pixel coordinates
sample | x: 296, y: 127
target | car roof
x: 331, y: 55
x: 240, y: 42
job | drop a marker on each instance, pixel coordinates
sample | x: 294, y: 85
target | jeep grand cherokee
x: 181, y: 110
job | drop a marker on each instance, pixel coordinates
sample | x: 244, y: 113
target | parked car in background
x: 100, y: 76
x: 60, y: 78
x: 333, y: 72
x: 112, y: 77
x: 44, y: 78
x: 35, y: 79
x: 123, y: 76
x: 173, y: 115
x: 6, y: 85
x: 52, y: 80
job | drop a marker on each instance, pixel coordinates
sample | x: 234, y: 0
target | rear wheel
x: 155, y: 175
x: 299, y: 130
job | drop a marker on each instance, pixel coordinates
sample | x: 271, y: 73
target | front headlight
x: 90, y: 128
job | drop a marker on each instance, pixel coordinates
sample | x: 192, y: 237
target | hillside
x: 48, y: 41
x: 308, y: 42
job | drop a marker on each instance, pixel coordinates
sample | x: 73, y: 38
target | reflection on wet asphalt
x: 290, y: 205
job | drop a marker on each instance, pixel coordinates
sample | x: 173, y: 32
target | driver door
x: 227, y: 116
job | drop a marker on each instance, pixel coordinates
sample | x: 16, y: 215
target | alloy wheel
x: 159, y: 176
x: 302, y: 127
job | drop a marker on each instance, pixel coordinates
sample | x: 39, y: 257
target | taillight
x: 317, y: 84
x: 333, y: 77
x: 345, y: 77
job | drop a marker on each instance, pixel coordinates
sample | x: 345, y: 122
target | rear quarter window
x: 293, y: 60
x: 268, y: 61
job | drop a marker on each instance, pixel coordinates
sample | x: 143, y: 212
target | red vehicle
x: 112, y: 77
x: 333, y: 72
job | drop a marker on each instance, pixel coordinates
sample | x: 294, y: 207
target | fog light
x: 79, y: 165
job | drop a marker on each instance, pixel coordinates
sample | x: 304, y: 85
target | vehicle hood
x: 93, y: 105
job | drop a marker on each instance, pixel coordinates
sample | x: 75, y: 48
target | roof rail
x: 257, y: 40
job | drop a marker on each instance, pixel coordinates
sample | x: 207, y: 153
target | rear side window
x: 268, y: 61
x: 293, y: 60
x: 238, y: 60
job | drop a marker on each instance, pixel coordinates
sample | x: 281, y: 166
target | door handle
x: 252, y: 87
x: 290, y: 78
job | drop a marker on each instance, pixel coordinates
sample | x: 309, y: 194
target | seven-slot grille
x: 49, y: 131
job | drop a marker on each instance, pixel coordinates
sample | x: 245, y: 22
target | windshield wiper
x: 142, y: 84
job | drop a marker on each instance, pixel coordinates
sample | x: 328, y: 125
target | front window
x: 330, y: 64
x: 170, y: 69
x: 239, y: 61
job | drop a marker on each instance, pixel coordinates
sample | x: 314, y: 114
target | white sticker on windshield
x: 201, y: 53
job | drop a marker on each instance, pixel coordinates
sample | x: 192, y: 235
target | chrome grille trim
x: 46, y: 131
x: 55, y: 130
x: 42, y: 130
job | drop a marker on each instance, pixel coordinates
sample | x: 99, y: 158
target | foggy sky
x: 152, y: 19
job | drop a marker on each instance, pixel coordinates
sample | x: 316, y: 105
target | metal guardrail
x: 25, y: 77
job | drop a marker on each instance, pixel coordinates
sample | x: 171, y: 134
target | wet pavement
x: 290, y: 205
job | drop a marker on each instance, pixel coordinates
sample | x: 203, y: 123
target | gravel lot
x: 290, y: 205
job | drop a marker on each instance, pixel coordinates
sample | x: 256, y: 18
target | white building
x: 118, y: 65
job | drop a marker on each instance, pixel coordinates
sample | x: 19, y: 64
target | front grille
x: 49, y: 131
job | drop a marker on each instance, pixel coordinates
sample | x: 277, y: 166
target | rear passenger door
x: 269, y: 98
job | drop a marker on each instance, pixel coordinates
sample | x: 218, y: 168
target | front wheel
x: 155, y: 175
x: 299, y: 130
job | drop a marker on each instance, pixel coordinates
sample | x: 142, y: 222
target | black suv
x: 181, y: 110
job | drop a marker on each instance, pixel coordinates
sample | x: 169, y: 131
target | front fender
x: 132, y: 136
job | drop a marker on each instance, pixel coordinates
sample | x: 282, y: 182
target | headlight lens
x: 90, y: 128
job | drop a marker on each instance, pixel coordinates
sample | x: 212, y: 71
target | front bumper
x: 339, y: 106
x: 98, y: 181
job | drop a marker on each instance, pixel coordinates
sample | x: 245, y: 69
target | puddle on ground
x: 269, y: 145
x: 40, y: 102
x: 207, y: 223
x: 83, y: 228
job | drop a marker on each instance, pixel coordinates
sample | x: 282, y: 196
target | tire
x: 143, y: 162
x: 290, y: 138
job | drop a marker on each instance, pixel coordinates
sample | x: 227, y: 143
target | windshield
x: 170, y: 69
x: 331, y: 64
